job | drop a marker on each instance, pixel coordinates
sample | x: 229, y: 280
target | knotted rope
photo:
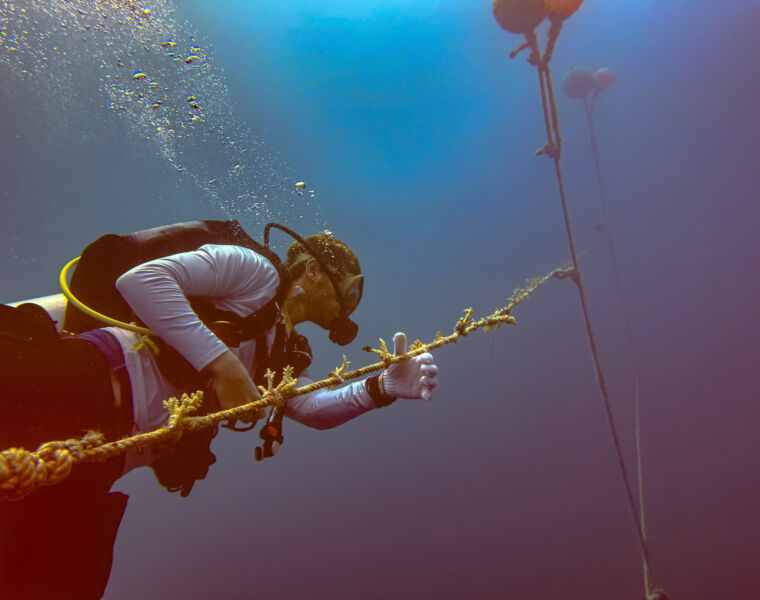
x: 23, y: 471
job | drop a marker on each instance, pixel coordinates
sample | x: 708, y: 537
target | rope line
x: 553, y: 150
x: 640, y: 477
x: 588, y: 108
x: 594, y: 147
x: 22, y: 471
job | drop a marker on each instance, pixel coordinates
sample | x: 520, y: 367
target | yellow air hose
x: 63, y: 283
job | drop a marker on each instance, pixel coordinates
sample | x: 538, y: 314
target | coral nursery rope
x: 23, y: 471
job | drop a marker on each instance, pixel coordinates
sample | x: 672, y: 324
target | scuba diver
x: 222, y: 309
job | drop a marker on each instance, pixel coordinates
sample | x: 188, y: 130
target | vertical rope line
x: 589, y: 330
x: 640, y: 475
x: 608, y: 234
x: 553, y: 106
x: 536, y: 54
x: 597, y: 367
x: 588, y: 108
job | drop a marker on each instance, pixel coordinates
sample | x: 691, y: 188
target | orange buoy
x: 562, y: 8
x: 518, y: 16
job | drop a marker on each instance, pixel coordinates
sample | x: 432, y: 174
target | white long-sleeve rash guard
x: 235, y: 279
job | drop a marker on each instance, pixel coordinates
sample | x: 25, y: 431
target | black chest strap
x: 288, y: 349
x: 231, y: 328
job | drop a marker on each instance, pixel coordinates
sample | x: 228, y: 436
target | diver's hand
x: 412, y: 379
x: 232, y: 384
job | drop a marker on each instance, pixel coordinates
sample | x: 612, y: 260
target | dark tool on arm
x: 271, y: 434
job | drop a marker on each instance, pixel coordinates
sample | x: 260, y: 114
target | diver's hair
x: 331, y: 250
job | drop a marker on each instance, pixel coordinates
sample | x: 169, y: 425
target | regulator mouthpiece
x: 343, y: 331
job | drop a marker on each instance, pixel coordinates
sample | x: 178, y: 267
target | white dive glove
x: 412, y: 379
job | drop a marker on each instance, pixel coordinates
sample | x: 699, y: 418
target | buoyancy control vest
x: 107, y: 258
x: 111, y: 255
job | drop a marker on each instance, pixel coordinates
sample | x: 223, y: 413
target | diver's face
x: 322, y: 303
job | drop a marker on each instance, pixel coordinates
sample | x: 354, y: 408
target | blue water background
x: 418, y: 134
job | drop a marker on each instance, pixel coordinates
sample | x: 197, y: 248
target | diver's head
x: 326, y: 285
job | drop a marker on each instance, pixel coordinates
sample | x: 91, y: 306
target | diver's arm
x: 232, y: 383
x: 236, y: 278
x: 325, y: 408
x: 415, y: 378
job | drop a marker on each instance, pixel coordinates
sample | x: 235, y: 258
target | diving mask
x: 342, y: 329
